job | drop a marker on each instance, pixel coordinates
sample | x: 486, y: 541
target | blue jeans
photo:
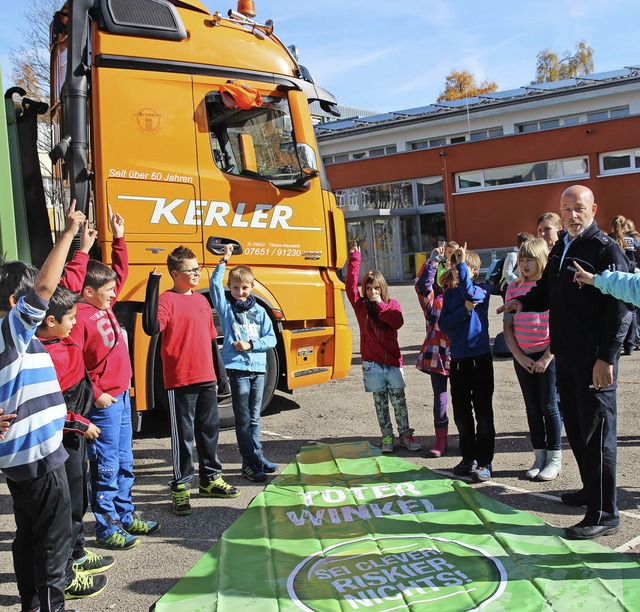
x: 246, y: 394
x: 111, y: 466
x: 540, y: 400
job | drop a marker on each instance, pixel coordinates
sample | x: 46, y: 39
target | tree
x: 550, y: 68
x: 462, y: 84
x: 30, y: 59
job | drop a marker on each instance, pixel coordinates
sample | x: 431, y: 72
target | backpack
x: 494, y: 276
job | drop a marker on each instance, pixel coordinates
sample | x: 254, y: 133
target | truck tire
x: 225, y: 408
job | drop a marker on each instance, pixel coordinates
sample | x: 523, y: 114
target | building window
x: 615, y: 162
x: 420, y: 145
x: 553, y: 170
x: 389, y: 196
x: 433, y: 230
x: 546, y: 124
x: 359, y: 155
x: 347, y: 199
x: 458, y: 139
x: 430, y: 190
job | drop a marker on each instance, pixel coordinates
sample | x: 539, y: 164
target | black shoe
x: 588, y: 532
x: 85, y: 585
x: 627, y: 351
x: 575, y: 498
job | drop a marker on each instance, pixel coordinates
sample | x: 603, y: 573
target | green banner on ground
x: 344, y: 528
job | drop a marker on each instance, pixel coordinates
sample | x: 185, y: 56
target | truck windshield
x: 257, y: 143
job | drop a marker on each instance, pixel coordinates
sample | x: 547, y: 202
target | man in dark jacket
x: 586, y: 330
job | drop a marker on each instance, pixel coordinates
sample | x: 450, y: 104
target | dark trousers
x: 43, y: 539
x: 471, y: 381
x: 590, y: 422
x: 193, y: 412
x: 77, y: 476
x: 540, y: 400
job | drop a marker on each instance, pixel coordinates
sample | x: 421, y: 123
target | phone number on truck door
x: 273, y: 251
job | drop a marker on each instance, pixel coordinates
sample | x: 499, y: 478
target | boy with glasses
x: 183, y: 318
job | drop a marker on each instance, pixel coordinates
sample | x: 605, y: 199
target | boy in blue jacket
x: 464, y: 318
x: 248, y: 335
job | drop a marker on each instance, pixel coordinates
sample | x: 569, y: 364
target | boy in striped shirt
x: 31, y: 453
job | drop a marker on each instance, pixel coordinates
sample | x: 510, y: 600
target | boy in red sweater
x: 106, y: 357
x: 183, y: 317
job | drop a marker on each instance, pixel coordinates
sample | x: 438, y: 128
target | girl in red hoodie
x: 379, y: 318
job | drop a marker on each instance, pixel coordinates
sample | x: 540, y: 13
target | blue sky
x: 383, y: 55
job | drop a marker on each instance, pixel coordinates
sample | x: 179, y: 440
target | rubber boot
x: 440, y: 444
x: 538, y: 464
x: 552, y: 467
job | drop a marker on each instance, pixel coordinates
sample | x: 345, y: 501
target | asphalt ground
x: 340, y: 411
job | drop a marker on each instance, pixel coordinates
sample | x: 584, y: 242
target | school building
x: 482, y: 169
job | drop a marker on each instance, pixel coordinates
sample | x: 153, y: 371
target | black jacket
x: 584, y: 323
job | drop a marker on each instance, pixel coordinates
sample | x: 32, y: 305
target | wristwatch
x: 223, y: 260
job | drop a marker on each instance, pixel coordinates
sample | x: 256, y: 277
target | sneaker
x: 483, y: 473
x: 118, y: 540
x: 180, y: 496
x: 141, y: 527
x: 218, y: 488
x: 93, y: 563
x: 267, y: 466
x: 84, y: 585
x: 253, y: 472
x: 386, y: 445
x: 464, y: 468
x: 409, y: 442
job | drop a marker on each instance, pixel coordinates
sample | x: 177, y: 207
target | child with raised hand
x: 182, y: 315
x: 106, y: 357
x: 464, y: 318
x: 434, y: 357
x: 379, y: 319
x: 248, y: 335
x: 31, y: 453
x: 623, y: 286
x: 527, y: 334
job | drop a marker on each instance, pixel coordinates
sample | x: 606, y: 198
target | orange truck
x: 196, y: 128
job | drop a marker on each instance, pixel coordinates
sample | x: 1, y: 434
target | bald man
x: 586, y: 331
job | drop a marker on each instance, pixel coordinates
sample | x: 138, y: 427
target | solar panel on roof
x: 549, y: 85
x: 420, y: 110
x: 501, y: 95
x: 457, y: 103
x: 337, y: 125
x: 375, y: 118
x: 605, y: 76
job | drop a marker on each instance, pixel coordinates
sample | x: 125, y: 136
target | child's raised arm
x: 51, y: 271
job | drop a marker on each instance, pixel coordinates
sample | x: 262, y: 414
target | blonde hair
x: 242, y: 274
x: 374, y: 277
x: 537, y: 249
x: 472, y: 260
x: 618, y: 229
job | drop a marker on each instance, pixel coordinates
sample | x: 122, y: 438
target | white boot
x: 552, y: 467
x: 538, y: 464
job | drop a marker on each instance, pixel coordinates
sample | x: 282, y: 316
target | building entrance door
x: 377, y: 239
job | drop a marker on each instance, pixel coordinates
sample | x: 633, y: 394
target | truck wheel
x: 225, y: 408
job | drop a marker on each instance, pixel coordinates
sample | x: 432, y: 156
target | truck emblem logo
x: 148, y: 120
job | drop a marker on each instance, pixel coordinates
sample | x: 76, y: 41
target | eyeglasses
x: 191, y: 272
